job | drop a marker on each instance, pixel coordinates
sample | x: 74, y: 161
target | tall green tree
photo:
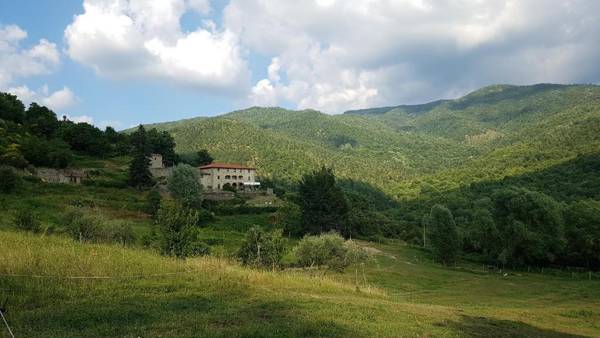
x: 41, y: 121
x: 139, y: 141
x: 184, y: 186
x: 323, y: 205
x: 161, y: 142
x: 139, y: 172
x: 203, y: 158
x: 443, y: 235
x: 11, y: 108
x: 582, y: 222
x: 531, y: 226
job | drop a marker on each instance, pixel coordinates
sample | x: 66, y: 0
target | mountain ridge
x: 490, y: 133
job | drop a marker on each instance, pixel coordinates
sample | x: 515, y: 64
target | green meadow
x: 60, y: 288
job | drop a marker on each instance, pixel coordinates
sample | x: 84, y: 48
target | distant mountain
x: 492, y: 133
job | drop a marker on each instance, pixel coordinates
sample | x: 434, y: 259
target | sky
x: 125, y: 62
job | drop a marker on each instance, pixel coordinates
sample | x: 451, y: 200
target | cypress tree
x: 323, y: 204
x: 444, y: 238
x: 139, y: 172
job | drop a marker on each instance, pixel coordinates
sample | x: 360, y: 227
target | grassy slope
x: 400, y: 294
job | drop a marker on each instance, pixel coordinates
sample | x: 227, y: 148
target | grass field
x: 399, y: 292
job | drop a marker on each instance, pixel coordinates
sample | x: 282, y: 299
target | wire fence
x: 6, y: 323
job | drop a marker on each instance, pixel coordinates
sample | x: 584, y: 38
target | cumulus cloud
x: 140, y: 39
x: 17, y: 62
x: 335, y: 55
x: 58, y: 100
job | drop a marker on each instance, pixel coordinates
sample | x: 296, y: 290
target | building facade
x: 215, y: 176
x: 65, y: 176
x: 156, y: 161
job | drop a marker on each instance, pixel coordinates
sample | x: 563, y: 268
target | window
x: 241, y: 177
x: 227, y: 177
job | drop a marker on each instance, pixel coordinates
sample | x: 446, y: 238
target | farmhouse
x: 215, y: 176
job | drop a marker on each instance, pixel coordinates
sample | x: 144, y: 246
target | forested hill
x: 496, y: 132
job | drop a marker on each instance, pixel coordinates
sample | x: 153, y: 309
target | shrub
x: 27, y: 221
x: 82, y: 227
x: 199, y: 248
x: 9, y: 180
x: 329, y: 250
x: 177, y: 231
x: 87, y: 227
x: 120, y: 232
x: 261, y: 248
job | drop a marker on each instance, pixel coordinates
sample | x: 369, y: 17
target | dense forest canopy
x: 35, y: 136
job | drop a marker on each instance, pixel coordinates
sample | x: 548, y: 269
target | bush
x: 262, y: 249
x: 86, y: 227
x: 120, y: 233
x: 82, y: 227
x: 27, y: 221
x: 199, y: 248
x: 177, y: 230
x: 9, y: 180
x: 329, y: 250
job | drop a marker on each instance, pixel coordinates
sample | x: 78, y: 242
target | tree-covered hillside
x: 491, y: 133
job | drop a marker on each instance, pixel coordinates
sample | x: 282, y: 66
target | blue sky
x: 122, y: 62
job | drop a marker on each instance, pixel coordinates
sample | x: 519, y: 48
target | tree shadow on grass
x: 469, y: 326
x: 210, y: 314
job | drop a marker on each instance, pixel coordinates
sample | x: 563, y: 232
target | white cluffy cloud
x: 142, y: 39
x: 336, y: 55
x: 18, y: 63
x: 58, y: 100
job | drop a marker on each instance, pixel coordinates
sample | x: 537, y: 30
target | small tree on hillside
x: 9, y: 179
x: 153, y: 203
x: 177, y: 230
x: 184, y: 186
x: 139, y: 172
x: 262, y: 248
x: 443, y: 236
x: 322, y: 203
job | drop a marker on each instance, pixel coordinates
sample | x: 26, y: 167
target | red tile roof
x: 226, y: 166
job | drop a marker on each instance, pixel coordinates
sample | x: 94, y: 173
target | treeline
x: 35, y: 136
x: 549, y: 217
x: 497, y: 223
x: 516, y: 227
